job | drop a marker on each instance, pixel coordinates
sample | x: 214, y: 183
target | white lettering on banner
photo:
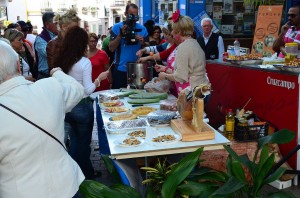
x: 280, y: 83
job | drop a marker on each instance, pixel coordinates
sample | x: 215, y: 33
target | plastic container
x: 291, y: 50
x: 236, y: 46
x: 229, y: 125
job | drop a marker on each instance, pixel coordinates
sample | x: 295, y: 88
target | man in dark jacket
x: 41, y: 41
x: 211, y: 43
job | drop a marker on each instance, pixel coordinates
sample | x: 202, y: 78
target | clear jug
x: 291, y: 50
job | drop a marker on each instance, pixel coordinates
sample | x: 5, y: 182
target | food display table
x: 148, y: 148
x: 274, y: 97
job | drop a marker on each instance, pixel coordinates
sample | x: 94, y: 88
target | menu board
x: 266, y: 31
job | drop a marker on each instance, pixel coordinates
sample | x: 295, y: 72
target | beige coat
x: 32, y: 164
x: 190, y: 63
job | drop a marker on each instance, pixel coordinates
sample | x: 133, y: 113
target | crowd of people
x: 46, y: 80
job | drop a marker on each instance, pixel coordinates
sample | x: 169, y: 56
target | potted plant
x: 187, y: 179
x: 260, y: 170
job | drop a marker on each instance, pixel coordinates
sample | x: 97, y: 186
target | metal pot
x: 138, y: 74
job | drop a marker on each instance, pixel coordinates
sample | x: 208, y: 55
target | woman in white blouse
x: 72, y: 60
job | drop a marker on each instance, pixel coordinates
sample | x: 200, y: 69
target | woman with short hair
x: 190, y: 63
x: 15, y: 37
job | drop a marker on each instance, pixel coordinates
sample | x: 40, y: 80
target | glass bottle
x: 236, y: 46
x: 229, y: 125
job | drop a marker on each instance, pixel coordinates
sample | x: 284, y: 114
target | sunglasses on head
x: 292, y: 15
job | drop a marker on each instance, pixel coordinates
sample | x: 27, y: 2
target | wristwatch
x: 166, y: 77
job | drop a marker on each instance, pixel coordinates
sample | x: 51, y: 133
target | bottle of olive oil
x: 229, y: 125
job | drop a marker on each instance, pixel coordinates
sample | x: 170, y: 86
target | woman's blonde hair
x: 184, y: 26
x: 11, y: 34
x: 66, y: 18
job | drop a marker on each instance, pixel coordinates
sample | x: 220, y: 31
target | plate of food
x: 116, y: 110
x: 247, y: 59
x: 129, y: 142
x: 165, y: 139
x: 143, y: 111
x: 127, y: 116
x: 293, y: 66
x: 112, y: 103
x: 141, y: 133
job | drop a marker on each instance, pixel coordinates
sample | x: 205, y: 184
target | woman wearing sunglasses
x: 290, y: 32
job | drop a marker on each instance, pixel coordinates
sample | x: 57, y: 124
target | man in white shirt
x: 211, y: 43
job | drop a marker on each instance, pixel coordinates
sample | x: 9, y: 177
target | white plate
x: 177, y: 139
x: 102, y: 106
x: 115, y: 113
x: 120, y: 143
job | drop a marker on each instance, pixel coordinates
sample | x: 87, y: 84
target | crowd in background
x: 99, y: 63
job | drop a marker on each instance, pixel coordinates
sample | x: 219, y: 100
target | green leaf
x: 211, y: 176
x: 276, y: 175
x: 195, y: 188
x: 232, y: 185
x: 200, y: 171
x: 90, y: 189
x: 151, y: 193
x: 111, y: 168
x: 263, y: 157
x: 258, y: 180
x: 247, y: 163
x: 94, y: 189
x: 180, y: 172
x: 282, y: 136
x: 229, y: 165
x: 238, y: 171
x: 125, y: 191
x: 232, y: 153
x: 281, y: 194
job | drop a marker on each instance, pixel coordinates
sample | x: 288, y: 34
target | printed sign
x: 266, y: 31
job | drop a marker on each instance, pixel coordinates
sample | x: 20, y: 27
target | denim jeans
x: 81, y: 121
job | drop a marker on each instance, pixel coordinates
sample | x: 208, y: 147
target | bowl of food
x: 247, y: 59
x: 292, y: 66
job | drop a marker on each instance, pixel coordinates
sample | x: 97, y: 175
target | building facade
x: 96, y: 15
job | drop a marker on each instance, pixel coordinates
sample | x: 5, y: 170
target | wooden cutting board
x: 188, y: 133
